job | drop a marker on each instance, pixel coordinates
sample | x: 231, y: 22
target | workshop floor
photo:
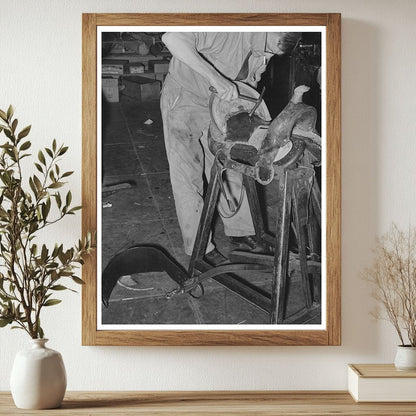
x: 144, y: 212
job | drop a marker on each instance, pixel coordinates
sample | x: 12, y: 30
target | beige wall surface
x: 40, y: 74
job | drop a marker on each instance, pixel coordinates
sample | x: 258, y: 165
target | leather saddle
x: 256, y: 141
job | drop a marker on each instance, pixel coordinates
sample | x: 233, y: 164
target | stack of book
x: 381, y: 383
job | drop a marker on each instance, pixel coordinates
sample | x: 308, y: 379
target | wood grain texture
x: 380, y: 371
x: 333, y: 175
x: 212, y: 338
x: 330, y: 336
x: 89, y: 172
x: 269, y: 403
x: 211, y: 19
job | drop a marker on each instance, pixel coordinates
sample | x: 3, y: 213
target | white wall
x: 40, y: 73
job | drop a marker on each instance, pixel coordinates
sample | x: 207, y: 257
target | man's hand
x: 225, y: 89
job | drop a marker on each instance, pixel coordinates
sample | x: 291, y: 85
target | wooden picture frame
x: 331, y: 334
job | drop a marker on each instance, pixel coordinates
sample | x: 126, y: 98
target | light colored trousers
x: 185, y: 125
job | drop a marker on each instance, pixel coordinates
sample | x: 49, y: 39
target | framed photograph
x: 211, y: 172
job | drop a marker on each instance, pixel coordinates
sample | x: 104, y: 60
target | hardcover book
x: 381, y: 383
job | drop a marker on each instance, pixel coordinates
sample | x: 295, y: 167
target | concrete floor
x: 134, y: 153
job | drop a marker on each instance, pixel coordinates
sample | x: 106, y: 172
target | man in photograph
x: 202, y: 60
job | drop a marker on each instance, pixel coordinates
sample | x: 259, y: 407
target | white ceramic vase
x: 38, y: 377
x: 405, y: 358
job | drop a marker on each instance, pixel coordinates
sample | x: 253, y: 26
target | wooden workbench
x: 212, y: 403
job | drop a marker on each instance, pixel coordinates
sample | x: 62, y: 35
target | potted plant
x: 31, y: 273
x: 393, y: 276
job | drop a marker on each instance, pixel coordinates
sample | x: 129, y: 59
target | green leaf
x: 56, y: 185
x: 77, y: 208
x: 51, y: 302
x: 5, y: 321
x: 44, y: 253
x: 33, y: 187
x: 45, y: 211
x: 62, y: 257
x: 59, y: 287
x: 37, y: 183
x: 40, y: 331
x: 60, y: 249
x: 24, y: 132
x: 25, y: 145
x: 54, y: 145
x: 3, y: 115
x: 41, y: 157
x: 49, y: 152
x: 10, y: 112
x: 53, y: 276
x: 8, y: 133
x: 55, y: 251
x: 4, y: 298
x: 25, y: 155
x: 63, y: 150
x: 39, y: 167
x: 67, y: 174
x: 76, y: 279
x: 34, y: 226
x: 58, y: 199
x: 68, y: 199
x: 14, y: 125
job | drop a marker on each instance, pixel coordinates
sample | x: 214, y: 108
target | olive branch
x: 30, y: 273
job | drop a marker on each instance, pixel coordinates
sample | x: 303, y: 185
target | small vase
x: 38, y: 377
x: 405, y: 358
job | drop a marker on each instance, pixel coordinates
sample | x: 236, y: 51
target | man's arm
x: 183, y: 47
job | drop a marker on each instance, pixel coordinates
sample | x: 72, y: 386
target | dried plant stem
x: 393, y: 276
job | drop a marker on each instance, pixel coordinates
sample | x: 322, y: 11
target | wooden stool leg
x: 314, y: 222
x: 281, y: 258
x: 254, y: 204
x: 316, y: 201
x: 300, y: 202
x: 204, y: 228
x: 314, y: 234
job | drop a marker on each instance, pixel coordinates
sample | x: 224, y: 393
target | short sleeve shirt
x: 226, y: 51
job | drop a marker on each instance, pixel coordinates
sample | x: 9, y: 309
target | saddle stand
x: 298, y: 205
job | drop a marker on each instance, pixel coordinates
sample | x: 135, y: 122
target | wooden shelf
x: 134, y: 57
x: 318, y: 403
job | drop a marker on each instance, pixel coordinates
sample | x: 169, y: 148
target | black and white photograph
x: 211, y: 175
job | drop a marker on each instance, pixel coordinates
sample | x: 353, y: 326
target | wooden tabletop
x: 212, y: 403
